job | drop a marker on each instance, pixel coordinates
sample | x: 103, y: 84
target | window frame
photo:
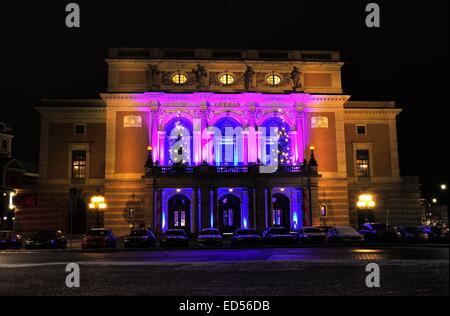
x: 271, y: 83
x: 179, y: 74
x: 75, y: 125
x: 361, y: 125
x: 78, y: 147
x: 227, y: 74
x: 363, y: 146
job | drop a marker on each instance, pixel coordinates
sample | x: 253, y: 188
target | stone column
x: 300, y: 135
x: 149, y: 211
x: 216, y: 209
x: 194, y: 214
x: 205, y: 207
x: 251, y: 211
x: 155, y: 136
x: 162, y: 137
x: 260, y: 209
x: 269, y: 206
x: 252, y: 146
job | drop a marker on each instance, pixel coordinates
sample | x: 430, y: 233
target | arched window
x: 4, y: 144
x: 228, y: 142
x: 178, y: 142
x: 273, y: 80
x: 277, y: 140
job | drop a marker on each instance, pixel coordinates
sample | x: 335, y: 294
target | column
x: 196, y: 156
x: 252, y: 147
x: 300, y: 136
x: 293, y: 147
x: 205, y: 206
x: 260, y: 209
x: 269, y: 206
x: 194, y: 215
x: 162, y: 137
x: 155, y: 136
x: 251, y: 211
x: 216, y: 209
x: 161, y: 220
x: 149, y: 208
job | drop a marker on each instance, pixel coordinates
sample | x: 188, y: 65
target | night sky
x: 405, y: 61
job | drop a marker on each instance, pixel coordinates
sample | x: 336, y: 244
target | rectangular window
x: 276, y: 217
x: 362, y: 163
x: 361, y: 129
x: 78, y: 164
x: 80, y: 129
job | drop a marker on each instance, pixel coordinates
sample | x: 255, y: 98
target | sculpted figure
x: 201, y: 76
x: 249, y: 76
x: 295, y: 77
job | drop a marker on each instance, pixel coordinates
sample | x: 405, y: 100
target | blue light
x: 245, y: 223
x: 163, y: 222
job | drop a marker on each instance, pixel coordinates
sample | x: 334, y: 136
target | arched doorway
x: 229, y: 213
x: 278, y: 143
x: 281, y: 210
x: 179, y: 212
x: 178, y: 142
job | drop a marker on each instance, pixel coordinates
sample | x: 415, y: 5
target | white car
x: 342, y: 234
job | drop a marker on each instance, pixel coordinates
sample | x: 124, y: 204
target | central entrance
x: 281, y: 210
x: 179, y: 212
x: 229, y: 213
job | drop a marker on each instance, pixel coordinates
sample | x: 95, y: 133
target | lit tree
x: 179, y: 145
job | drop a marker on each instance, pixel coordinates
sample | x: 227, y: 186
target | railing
x: 189, y: 170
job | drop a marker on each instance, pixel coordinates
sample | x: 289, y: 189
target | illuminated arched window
x: 278, y: 143
x: 179, y: 78
x: 178, y: 142
x: 228, y: 142
x: 273, y: 80
x: 226, y: 79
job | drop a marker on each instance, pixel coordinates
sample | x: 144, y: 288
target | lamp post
x: 365, y: 202
x: 98, y: 203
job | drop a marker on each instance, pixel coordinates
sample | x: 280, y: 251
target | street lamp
x: 365, y: 202
x: 98, y: 203
x: 443, y: 187
x: 434, y: 200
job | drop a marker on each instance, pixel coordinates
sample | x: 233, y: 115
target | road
x: 405, y: 270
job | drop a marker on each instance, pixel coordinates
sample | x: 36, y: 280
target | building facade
x: 195, y: 139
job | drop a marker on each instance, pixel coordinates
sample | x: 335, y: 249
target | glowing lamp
x: 149, y: 148
x: 312, y: 147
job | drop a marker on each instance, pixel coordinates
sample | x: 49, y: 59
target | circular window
x: 226, y: 79
x: 273, y: 80
x: 179, y: 78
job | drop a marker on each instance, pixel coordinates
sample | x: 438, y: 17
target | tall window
x: 78, y: 164
x: 362, y: 163
x: 228, y: 217
x: 277, y: 215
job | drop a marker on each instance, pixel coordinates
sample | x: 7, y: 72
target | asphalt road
x: 404, y: 270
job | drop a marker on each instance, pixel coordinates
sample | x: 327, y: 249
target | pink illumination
x: 205, y: 109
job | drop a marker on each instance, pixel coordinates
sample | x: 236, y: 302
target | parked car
x: 175, y: 238
x: 99, y: 238
x: 436, y: 234
x: 412, y: 234
x: 210, y: 237
x: 312, y: 235
x: 279, y: 235
x: 141, y: 238
x: 245, y: 237
x: 49, y: 239
x: 324, y: 229
x: 9, y: 240
x: 377, y: 232
x: 343, y: 234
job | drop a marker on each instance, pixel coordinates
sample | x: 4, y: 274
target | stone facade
x: 153, y: 92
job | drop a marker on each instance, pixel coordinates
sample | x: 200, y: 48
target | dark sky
x: 406, y: 60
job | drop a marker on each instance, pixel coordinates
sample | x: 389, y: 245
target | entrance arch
x: 281, y: 210
x: 179, y: 212
x: 229, y: 213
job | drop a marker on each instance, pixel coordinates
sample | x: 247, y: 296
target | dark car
x: 324, y: 229
x: 142, y: 238
x: 312, y: 235
x: 175, y: 238
x: 210, y: 237
x: 279, y: 235
x: 49, y: 239
x: 245, y: 237
x: 99, y: 238
x: 344, y: 234
x: 9, y: 240
x: 437, y: 234
x: 377, y: 232
x: 412, y: 234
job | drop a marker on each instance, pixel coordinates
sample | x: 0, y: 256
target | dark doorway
x: 229, y: 213
x: 281, y: 210
x: 179, y: 212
